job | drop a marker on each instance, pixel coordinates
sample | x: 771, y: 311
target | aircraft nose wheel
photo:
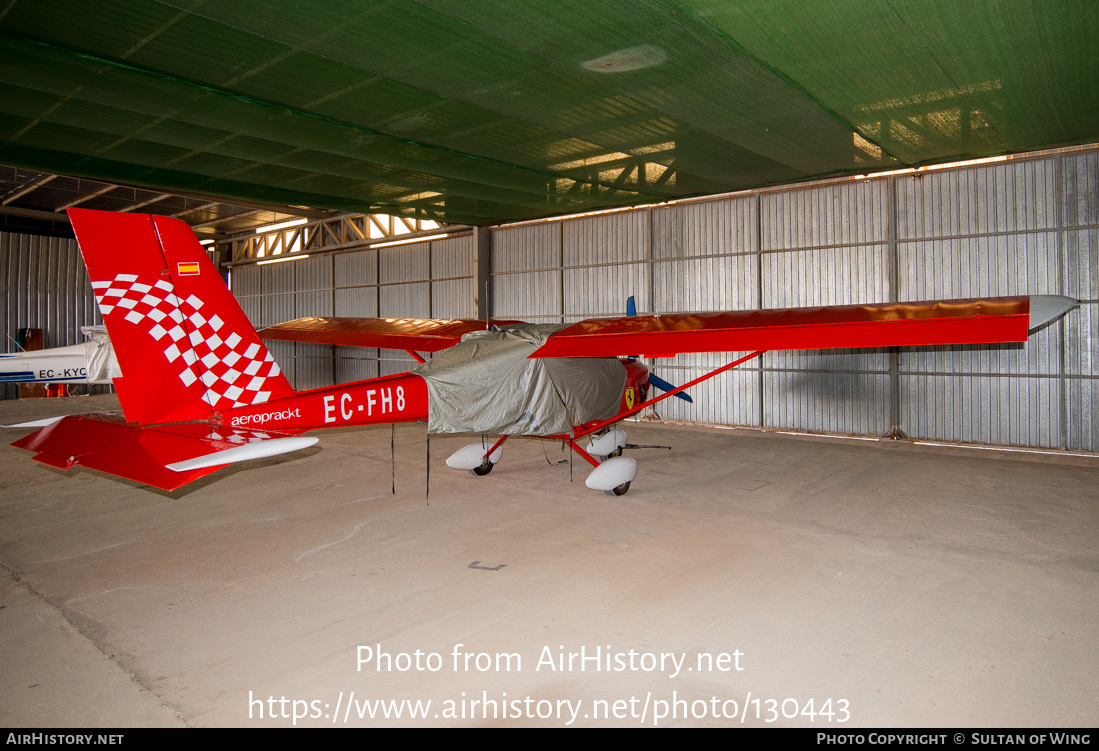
x: 486, y: 467
x: 619, y: 490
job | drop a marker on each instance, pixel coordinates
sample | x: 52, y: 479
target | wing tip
x: 1047, y: 308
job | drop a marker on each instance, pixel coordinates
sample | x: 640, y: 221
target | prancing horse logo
x: 631, y: 393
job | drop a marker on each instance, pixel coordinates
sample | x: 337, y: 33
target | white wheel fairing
x: 471, y: 457
x: 612, y: 473
x: 608, y: 443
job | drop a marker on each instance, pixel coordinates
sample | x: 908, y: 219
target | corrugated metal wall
x: 415, y: 280
x: 45, y: 286
x: 1023, y: 226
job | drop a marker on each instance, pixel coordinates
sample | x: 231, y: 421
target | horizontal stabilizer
x: 108, y: 444
x: 36, y: 423
x: 258, y: 450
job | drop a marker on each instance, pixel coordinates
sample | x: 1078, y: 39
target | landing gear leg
x: 484, y: 469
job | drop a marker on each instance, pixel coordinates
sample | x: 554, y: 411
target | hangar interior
x: 456, y: 160
x: 1020, y: 225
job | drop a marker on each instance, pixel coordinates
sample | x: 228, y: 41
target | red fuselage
x: 395, y: 398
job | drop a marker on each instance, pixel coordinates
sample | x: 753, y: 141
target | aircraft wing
x: 416, y: 334
x: 979, y: 321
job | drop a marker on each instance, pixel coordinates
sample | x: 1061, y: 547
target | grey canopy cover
x: 486, y: 384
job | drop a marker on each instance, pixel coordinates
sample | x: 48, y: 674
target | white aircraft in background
x: 92, y: 362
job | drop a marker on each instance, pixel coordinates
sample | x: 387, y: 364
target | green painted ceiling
x: 479, y: 112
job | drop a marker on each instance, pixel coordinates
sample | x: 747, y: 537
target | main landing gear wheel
x: 485, y: 468
x: 620, y: 490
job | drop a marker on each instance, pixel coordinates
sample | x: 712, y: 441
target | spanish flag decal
x: 187, y: 269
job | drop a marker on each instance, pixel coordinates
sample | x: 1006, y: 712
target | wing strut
x: 673, y: 392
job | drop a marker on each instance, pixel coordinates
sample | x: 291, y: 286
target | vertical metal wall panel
x: 245, y: 281
x: 979, y: 409
x: 355, y: 278
x: 313, y: 365
x: 1008, y: 197
x: 452, y: 258
x: 1082, y: 264
x: 708, y: 283
x: 591, y: 292
x: 318, y: 303
x: 533, y: 297
x: 452, y: 292
x: 821, y: 277
x: 731, y: 398
x: 405, y: 300
x: 277, y: 309
x: 277, y: 278
x: 283, y: 353
x: 405, y: 263
x: 1080, y: 189
x: 704, y: 228
x: 851, y: 213
x: 1083, y: 405
x: 7, y: 290
x: 312, y: 273
x: 11, y: 256
x: 526, y: 248
x: 861, y: 360
x: 843, y: 403
x: 391, y: 363
x: 1081, y: 387
x: 357, y: 268
x: 1081, y: 332
x: 356, y: 302
x: 983, y: 231
x: 984, y: 266
x: 355, y: 364
x: 826, y: 276
x: 706, y: 258
x: 253, y: 308
x: 453, y: 298
x: 606, y: 239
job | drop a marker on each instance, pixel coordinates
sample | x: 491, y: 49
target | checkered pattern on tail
x: 233, y: 372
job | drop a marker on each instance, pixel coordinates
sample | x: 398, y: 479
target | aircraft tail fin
x: 185, y: 347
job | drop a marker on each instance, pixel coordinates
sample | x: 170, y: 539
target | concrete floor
x: 888, y: 584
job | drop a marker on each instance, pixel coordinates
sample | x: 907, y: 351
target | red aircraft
x: 201, y: 391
